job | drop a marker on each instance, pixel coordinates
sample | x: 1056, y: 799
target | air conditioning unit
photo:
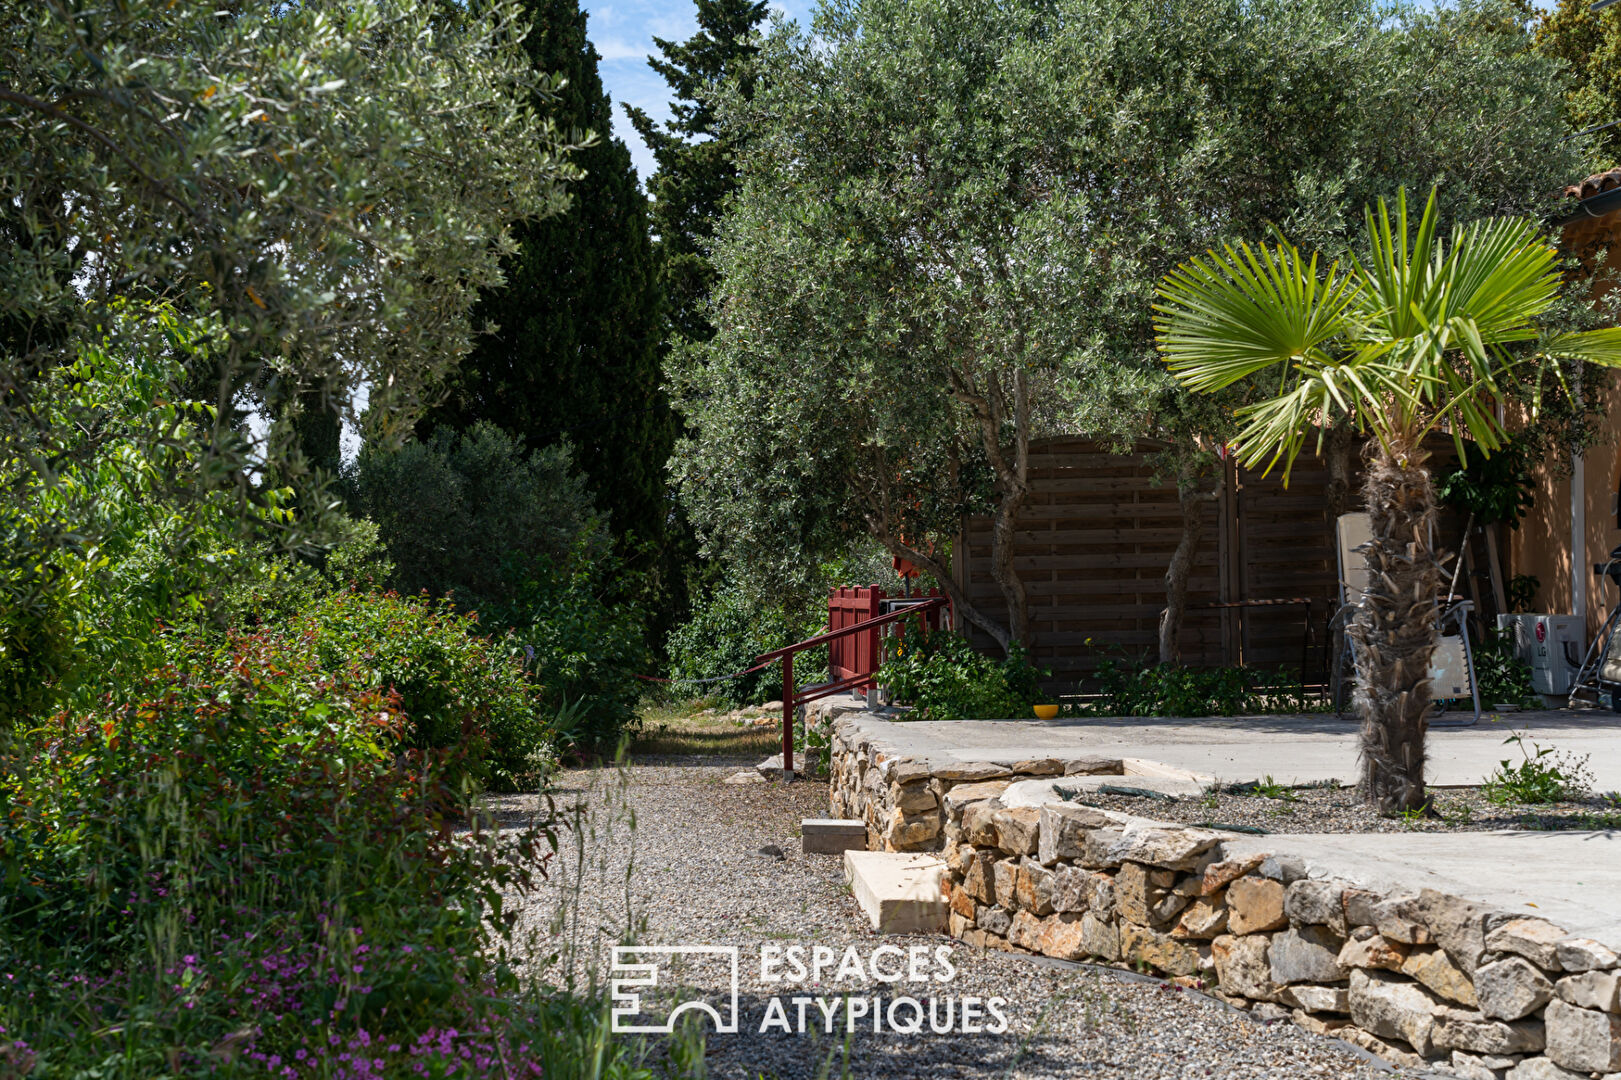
x: 1552, y: 645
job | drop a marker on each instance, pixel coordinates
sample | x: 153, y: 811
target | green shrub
x: 728, y: 629
x: 1542, y: 776
x: 455, y: 687
x: 944, y: 678
x: 1501, y: 677
x: 472, y: 515
x: 238, y: 859
x: 1165, y: 690
x: 582, y: 651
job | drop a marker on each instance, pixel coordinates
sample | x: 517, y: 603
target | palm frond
x: 1224, y: 317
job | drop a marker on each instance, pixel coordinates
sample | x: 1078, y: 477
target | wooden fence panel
x: 1097, y: 533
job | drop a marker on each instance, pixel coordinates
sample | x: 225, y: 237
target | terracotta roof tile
x: 1595, y: 184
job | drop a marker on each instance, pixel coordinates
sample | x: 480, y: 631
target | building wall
x: 1542, y: 545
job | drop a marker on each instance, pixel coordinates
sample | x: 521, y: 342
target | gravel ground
x: 1334, y: 810
x: 697, y: 876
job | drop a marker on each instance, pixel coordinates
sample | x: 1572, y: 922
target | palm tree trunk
x: 1394, y: 631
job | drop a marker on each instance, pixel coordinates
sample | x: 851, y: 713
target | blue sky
x: 623, y: 32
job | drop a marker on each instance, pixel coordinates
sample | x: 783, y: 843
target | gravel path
x: 1336, y: 810
x: 697, y: 876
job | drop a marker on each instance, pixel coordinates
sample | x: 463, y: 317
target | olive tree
x: 323, y: 186
x: 951, y: 216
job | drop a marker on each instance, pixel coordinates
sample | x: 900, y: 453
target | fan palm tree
x: 1418, y: 335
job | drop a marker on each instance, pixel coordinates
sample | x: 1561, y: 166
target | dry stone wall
x: 1426, y: 980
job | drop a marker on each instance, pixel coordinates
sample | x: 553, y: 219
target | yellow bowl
x: 1046, y: 712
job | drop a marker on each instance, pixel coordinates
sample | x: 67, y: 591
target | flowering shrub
x: 455, y: 687
x: 241, y: 864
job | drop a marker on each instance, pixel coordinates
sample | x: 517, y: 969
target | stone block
x: 831, y: 836
x: 961, y: 902
x: 1100, y: 938
x: 1511, y: 988
x: 1584, y: 954
x: 1064, y: 937
x: 1397, y: 918
x: 1166, y: 848
x: 1016, y: 830
x: 908, y: 832
x: 971, y: 771
x: 1063, y: 831
x: 1284, y: 869
x: 1392, y: 1007
x: 1477, y: 1033
x: 979, y: 822
x: 960, y: 796
x: 1218, y: 875
x: 1094, y: 766
x: 1316, y: 903
x: 1038, y: 767
x: 1455, y: 924
x: 900, y: 894
x: 1101, y: 848
x: 1360, y: 907
x: 1367, y: 948
x: 1393, y: 1053
x: 1535, y: 939
x: 1140, y: 890
x: 1540, y: 1068
x: 1591, y: 990
x: 1005, y: 874
x: 1319, y: 1025
x: 1584, y: 1040
x: 979, y: 880
x: 1306, y: 955
x: 1033, y: 887
x: 1025, y: 930
x: 1435, y: 969
x: 1254, y: 905
x: 913, y: 798
x: 1242, y: 966
x: 994, y: 920
x: 1141, y: 945
x: 1205, y: 918
x: 1317, y: 999
x: 909, y: 771
x: 1482, y: 1066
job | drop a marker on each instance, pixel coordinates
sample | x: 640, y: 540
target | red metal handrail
x: 790, y: 701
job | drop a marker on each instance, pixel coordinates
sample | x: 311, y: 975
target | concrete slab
x: 832, y: 836
x: 900, y: 893
x: 1570, y: 878
x: 1291, y: 749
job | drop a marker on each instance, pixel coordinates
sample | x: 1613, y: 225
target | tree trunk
x: 1393, y: 632
x: 1012, y: 488
x: 1191, y: 500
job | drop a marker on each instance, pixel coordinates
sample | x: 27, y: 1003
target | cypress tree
x: 695, y: 169
x: 575, y: 347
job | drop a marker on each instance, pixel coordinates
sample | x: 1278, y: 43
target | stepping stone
x: 747, y: 776
x: 831, y: 836
x: 771, y: 769
x: 899, y: 892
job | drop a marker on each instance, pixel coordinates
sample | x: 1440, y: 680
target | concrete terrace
x: 1572, y: 878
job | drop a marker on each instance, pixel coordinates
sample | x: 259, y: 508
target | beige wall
x: 1542, y: 546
